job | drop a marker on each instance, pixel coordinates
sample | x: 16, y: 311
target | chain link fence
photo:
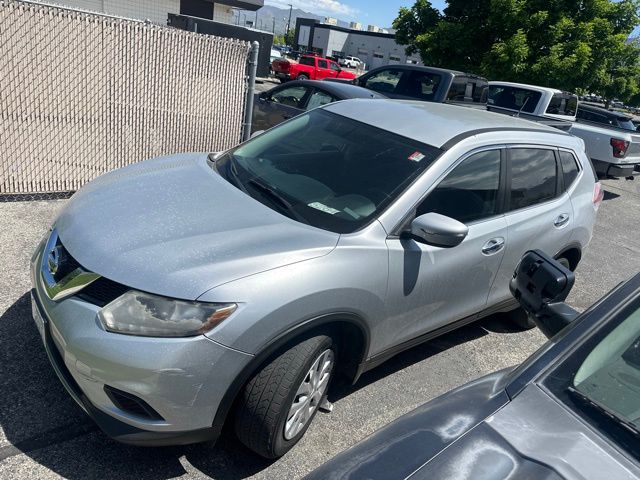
x: 82, y: 94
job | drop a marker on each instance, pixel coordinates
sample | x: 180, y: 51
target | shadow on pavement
x: 41, y: 420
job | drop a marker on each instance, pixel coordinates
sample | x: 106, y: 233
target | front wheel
x: 278, y: 404
x: 302, y: 76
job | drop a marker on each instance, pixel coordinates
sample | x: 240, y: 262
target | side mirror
x: 263, y: 95
x: 438, y: 230
x: 541, y: 285
x: 256, y: 133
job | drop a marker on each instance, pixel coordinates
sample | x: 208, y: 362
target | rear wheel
x: 278, y: 404
x: 519, y: 317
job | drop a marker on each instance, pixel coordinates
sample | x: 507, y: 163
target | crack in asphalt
x: 48, y: 438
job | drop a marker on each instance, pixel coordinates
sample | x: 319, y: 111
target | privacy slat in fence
x: 82, y: 94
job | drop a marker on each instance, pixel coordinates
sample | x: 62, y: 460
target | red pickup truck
x: 309, y: 67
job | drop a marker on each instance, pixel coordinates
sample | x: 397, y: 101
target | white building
x: 373, y: 28
x: 355, y: 26
x: 375, y: 49
x: 330, y: 21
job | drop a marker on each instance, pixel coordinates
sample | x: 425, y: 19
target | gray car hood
x: 173, y: 226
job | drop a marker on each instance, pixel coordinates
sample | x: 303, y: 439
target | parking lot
x: 43, y: 434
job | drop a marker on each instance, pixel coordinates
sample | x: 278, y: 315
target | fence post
x: 251, y: 90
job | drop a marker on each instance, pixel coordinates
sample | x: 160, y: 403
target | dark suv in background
x: 594, y: 114
x: 429, y: 84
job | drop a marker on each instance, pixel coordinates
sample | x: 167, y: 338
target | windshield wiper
x: 623, y: 422
x: 275, y: 197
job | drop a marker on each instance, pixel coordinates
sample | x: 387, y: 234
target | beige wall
x: 154, y: 10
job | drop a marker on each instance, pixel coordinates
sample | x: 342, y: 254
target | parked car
x: 286, y: 101
x: 414, y: 82
x: 568, y: 412
x: 533, y: 100
x: 602, y: 116
x: 174, y: 293
x: 275, y: 54
x: 612, y: 150
x: 308, y: 67
x: 350, y: 62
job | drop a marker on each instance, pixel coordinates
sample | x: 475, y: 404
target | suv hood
x: 173, y: 226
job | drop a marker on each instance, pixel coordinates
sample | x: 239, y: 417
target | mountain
x: 269, y: 13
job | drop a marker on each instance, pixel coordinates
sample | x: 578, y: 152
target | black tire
x: 302, y: 76
x: 266, y: 399
x: 519, y: 317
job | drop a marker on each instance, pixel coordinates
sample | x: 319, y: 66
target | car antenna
x: 523, y: 105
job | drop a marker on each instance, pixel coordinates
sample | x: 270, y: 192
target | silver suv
x: 192, y: 290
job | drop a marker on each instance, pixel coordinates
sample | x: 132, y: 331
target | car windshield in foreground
x: 610, y: 374
x: 327, y: 170
x: 601, y: 379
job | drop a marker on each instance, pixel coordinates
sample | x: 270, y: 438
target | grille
x: 102, y: 291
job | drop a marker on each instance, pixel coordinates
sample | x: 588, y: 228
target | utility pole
x: 255, y: 25
x: 288, y: 25
x: 274, y: 26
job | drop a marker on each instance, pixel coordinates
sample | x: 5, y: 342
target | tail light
x: 598, y: 195
x: 619, y: 147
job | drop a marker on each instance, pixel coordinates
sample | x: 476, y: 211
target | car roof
x: 526, y: 85
x: 603, y: 111
x: 446, y: 123
x: 339, y: 89
x: 425, y: 68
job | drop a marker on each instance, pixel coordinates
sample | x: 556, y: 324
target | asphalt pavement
x: 43, y: 434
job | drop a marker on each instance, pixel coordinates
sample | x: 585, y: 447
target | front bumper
x: 183, y: 380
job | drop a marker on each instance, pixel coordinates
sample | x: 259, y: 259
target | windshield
x: 327, y: 170
x: 610, y: 374
x: 600, y: 380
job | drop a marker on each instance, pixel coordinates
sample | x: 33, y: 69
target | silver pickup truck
x: 613, y: 149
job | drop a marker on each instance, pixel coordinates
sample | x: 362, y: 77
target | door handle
x: 561, y: 220
x: 493, y: 246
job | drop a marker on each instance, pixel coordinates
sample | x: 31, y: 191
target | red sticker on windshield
x: 416, y: 156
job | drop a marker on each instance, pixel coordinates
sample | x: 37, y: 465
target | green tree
x: 412, y: 23
x: 578, y: 45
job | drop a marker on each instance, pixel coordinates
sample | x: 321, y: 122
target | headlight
x: 137, y: 313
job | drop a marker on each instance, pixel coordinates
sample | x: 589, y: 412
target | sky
x: 368, y: 12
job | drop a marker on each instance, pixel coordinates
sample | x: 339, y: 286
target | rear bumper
x: 621, y: 170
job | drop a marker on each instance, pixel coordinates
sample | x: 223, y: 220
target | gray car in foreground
x: 571, y: 411
x: 183, y: 293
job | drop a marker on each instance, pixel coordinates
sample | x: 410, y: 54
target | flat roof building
x: 375, y: 49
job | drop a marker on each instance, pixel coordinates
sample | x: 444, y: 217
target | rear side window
x: 384, y: 81
x: 513, y: 98
x: 470, y: 192
x: 533, y: 176
x: 323, y: 64
x: 318, y: 99
x: 290, y: 96
x: 422, y: 85
x: 569, y: 168
x: 563, y: 104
